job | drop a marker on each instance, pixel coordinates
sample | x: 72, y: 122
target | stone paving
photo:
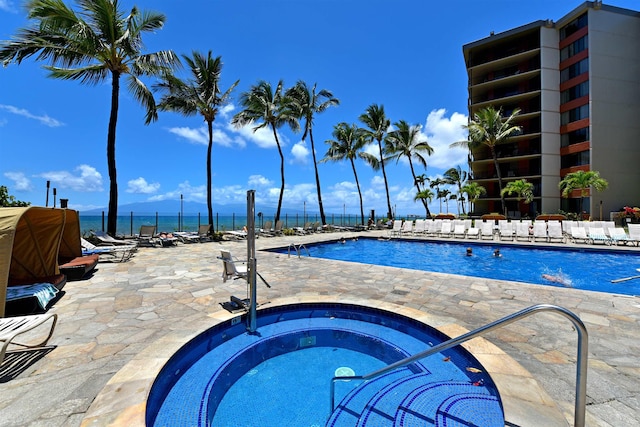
x: 116, y: 329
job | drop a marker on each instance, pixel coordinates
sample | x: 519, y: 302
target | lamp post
x: 181, y: 213
x: 304, y: 211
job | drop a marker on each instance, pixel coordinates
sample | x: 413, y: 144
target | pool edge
x: 123, y: 399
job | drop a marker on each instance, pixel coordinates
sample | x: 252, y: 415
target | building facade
x: 576, y: 82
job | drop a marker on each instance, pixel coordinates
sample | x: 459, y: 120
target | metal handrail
x: 298, y: 248
x: 581, y: 362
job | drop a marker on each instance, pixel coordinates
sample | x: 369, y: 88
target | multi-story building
x: 576, y: 82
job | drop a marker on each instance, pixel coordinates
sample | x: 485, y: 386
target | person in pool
x: 497, y: 253
x: 469, y: 252
x: 557, y: 279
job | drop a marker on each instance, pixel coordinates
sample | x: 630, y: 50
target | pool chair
x: 634, y: 233
x: 277, y: 230
x: 597, y: 235
x: 407, y: 228
x: 12, y: 327
x: 104, y: 238
x: 420, y: 227
x: 486, y: 230
x: 473, y: 233
x: 554, y: 233
x: 618, y: 235
x: 265, y: 231
x: 459, y: 231
x: 146, y: 236
x: 505, y: 230
x: 522, y: 231
x: 579, y: 235
x: 114, y: 253
x: 397, y: 228
x: 540, y: 231
x: 446, y: 229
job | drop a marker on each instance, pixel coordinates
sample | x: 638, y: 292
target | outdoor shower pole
x: 251, y: 257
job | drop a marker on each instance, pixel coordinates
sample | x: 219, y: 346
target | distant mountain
x: 172, y: 207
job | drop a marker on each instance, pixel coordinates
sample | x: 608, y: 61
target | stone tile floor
x: 116, y: 328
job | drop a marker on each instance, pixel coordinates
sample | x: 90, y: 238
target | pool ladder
x: 581, y: 362
x: 298, y: 248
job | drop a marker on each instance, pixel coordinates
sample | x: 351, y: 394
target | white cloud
x: 7, y: 6
x: 300, y: 153
x: 377, y: 181
x: 21, y: 182
x: 201, y: 136
x: 189, y: 193
x: 259, y: 181
x: 141, y: 186
x: 45, y: 120
x: 440, y: 132
x: 226, y: 110
x: 88, y: 179
x: 262, y: 137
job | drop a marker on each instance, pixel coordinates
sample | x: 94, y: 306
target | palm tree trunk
x: 209, y: 183
x: 353, y: 166
x: 386, y: 184
x: 275, y: 135
x: 425, y: 203
x: 315, y: 165
x: 112, y: 214
x: 460, y: 193
x: 495, y: 164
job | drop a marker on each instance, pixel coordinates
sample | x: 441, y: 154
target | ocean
x: 129, y: 225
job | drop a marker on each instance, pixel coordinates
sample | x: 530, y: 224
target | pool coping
x: 123, y: 399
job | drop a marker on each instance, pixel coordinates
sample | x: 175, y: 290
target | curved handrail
x: 581, y: 362
x: 298, y: 248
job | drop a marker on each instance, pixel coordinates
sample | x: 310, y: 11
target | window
x: 575, y: 159
x: 573, y: 26
x: 575, y: 47
x: 574, y: 92
x: 579, y: 135
x: 576, y: 114
x: 574, y: 70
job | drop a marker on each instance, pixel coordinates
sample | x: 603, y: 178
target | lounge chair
x: 115, y: 253
x: 407, y: 228
x: 540, y: 231
x: 446, y: 229
x: 554, y: 233
x: 505, y: 230
x: 277, y: 230
x: 522, y: 231
x: 459, y: 231
x: 579, y: 234
x: 266, y: 229
x: 634, y: 233
x: 420, y: 227
x: 12, y: 327
x: 473, y: 233
x: 618, y: 235
x: 597, y: 235
x: 486, y: 230
x: 397, y: 228
x: 104, y: 238
x: 147, y: 235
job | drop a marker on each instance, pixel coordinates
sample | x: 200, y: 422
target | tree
x: 308, y: 103
x: 490, y: 128
x: 9, y: 201
x: 473, y: 190
x: 98, y: 43
x: 201, y: 94
x: 405, y: 141
x: 444, y: 195
x: 582, y: 181
x: 347, y: 145
x: 521, y: 188
x: 424, y: 195
x: 378, y: 124
x: 264, y: 104
x: 456, y: 176
x: 436, y: 183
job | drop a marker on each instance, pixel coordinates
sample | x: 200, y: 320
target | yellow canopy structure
x: 29, y: 243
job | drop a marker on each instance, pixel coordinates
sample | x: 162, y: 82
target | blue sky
x: 404, y: 54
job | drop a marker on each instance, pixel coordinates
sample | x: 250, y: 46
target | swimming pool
x: 281, y: 375
x: 588, y: 269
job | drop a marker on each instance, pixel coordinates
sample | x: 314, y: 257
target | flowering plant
x: 629, y: 212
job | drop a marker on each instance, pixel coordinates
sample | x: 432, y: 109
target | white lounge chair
x: 115, y: 253
x: 407, y: 228
x: 473, y: 233
x: 12, y: 327
x: 579, y: 234
x: 618, y: 235
x: 486, y: 230
x: 634, y: 233
x: 420, y: 227
x: 597, y: 235
x: 446, y: 229
x: 554, y: 233
x: 505, y: 230
x: 522, y: 231
x: 397, y: 228
x: 459, y: 231
x: 108, y: 240
x: 540, y: 231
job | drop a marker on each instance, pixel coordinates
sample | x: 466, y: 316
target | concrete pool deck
x: 116, y: 329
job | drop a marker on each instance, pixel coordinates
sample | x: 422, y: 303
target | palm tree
x: 98, y: 43
x: 348, y: 143
x: 473, y: 190
x: 521, y: 188
x: 199, y: 95
x: 405, y: 141
x: 456, y: 176
x: 488, y: 127
x: 582, y: 181
x: 378, y: 123
x: 436, y: 183
x: 424, y: 195
x: 444, y: 195
x: 264, y: 104
x: 308, y: 103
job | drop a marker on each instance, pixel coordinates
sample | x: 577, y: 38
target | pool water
x: 280, y: 376
x: 581, y: 269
